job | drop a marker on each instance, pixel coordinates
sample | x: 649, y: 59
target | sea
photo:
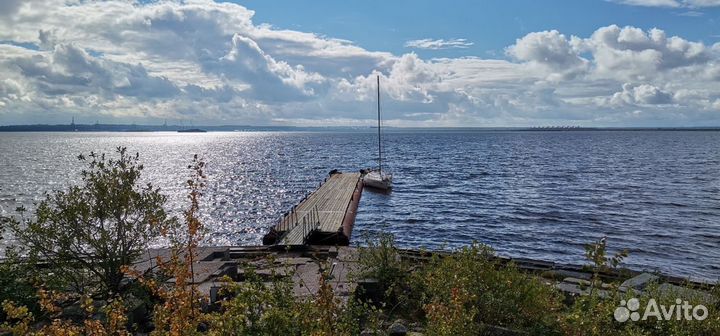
x: 531, y: 194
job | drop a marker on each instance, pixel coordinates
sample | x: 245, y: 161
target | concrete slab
x: 639, y: 282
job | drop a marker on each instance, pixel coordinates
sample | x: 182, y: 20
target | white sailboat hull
x: 376, y: 180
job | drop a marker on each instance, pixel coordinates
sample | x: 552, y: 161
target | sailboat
x: 377, y: 178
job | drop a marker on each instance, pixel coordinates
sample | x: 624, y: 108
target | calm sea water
x: 541, y: 195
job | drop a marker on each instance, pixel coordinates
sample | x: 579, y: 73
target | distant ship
x: 192, y: 130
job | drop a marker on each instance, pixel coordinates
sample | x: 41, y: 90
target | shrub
x: 20, y: 320
x: 596, y: 253
x: 16, y: 278
x: 380, y: 261
x: 471, y: 285
x: 87, y: 233
x: 179, y: 312
x: 16, y: 286
x: 594, y: 316
x: 255, y: 307
x: 456, y: 316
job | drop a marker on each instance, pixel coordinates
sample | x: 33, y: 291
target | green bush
x: 89, y: 232
x: 381, y: 261
x: 472, y: 282
x: 255, y: 307
x: 592, y: 315
x: 16, y: 283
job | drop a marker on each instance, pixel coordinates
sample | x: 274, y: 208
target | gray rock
x: 573, y: 290
x: 603, y: 294
x: 576, y: 281
x: 73, y: 312
x: 639, y: 282
x: 293, y: 260
x: 606, y: 286
x: 586, y: 284
x: 570, y: 288
x: 398, y: 328
x: 562, y: 274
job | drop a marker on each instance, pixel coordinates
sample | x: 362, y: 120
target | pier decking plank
x: 322, y: 212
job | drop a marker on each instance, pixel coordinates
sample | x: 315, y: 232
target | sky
x: 314, y: 63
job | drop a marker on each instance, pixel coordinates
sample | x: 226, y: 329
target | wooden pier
x: 325, y: 217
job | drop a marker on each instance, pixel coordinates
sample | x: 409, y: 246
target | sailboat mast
x: 379, y: 139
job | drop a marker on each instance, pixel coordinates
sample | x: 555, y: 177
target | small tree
x: 180, y: 313
x: 87, y: 233
x: 597, y: 253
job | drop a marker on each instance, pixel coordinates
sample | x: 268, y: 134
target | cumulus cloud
x: 209, y: 61
x: 553, y: 52
x: 12, y: 91
x: 70, y: 70
x: 643, y: 94
x: 265, y: 77
x: 438, y: 44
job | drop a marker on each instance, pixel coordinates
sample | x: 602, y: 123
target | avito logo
x: 630, y: 310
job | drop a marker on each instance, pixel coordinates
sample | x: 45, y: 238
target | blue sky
x: 454, y: 63
x: 491, y: 25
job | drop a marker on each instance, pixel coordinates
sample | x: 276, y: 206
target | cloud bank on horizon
x: 209, y: 63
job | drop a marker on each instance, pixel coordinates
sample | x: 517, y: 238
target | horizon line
x: 537, y: 127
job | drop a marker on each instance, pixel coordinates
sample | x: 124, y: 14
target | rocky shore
x: 340, y: 266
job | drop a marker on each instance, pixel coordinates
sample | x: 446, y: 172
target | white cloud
x: 631, y: 54
x: 702, y: 3
x: 70, y: 70
x: 643, y: 94
x: 265, y: 77
x: 691, y: 13
x: 650, y: 3
x: 550, y: 51
x: 670, y: 3
x: 209, y: 62
x: 438, y: 44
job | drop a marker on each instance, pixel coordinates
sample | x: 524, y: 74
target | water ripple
x: 529, y: 194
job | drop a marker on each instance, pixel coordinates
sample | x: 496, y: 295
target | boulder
x: 639, y: 282
x: 398, y: 328
x: 562, y: 274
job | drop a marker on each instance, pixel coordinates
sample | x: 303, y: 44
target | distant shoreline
x: 247, y: 128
